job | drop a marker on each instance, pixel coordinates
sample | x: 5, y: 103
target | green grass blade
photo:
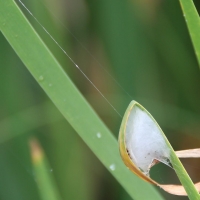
x: 193, y: 23
x: 126, y: 132
x: 47, y: 187
x: 52, y: 78
x: 184, y: 177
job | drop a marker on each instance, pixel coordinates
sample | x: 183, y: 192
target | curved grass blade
x: 142, y: 144
x: 57, y: 85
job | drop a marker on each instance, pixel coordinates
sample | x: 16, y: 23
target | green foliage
x: 59, y: 88
x: 193, y: 23
x: 145, y: 46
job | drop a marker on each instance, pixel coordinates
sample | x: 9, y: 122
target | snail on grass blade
x: 143, y: 144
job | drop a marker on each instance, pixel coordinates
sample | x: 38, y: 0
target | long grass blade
x: 193, y: 23
x: 46, y: 184
x: 52, y: 78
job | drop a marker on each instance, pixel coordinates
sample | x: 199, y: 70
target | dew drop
x: 99, y: 135
x: 51, y: 170
x: 64, y: 99
x: 41, y: 78
x: 50, y: 84
x: 112, y: 167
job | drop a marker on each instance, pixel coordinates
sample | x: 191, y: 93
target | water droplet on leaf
x: 112, y: 167
x: 41, y: 78
x: 99, y: 135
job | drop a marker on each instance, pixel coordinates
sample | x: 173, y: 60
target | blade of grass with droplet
x: 52, y: 78
x: 193, y: 23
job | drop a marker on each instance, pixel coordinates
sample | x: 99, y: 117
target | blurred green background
x: 137, y: 50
